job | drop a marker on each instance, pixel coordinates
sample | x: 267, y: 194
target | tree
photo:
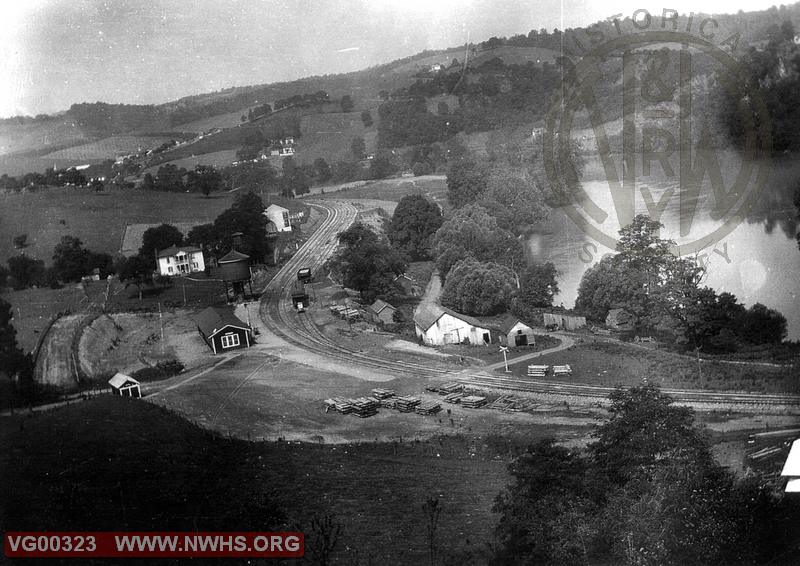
x: 204, y: 179
x: 347, y: 103
x: 13, y: 361
x: 25, y: 271
x: 366, y: 262
x: 537, y: 287
x: 466, y: 180
x: 515, y: 200
x: 381, y: 167
x: 358, y: 148
x: 70, y: 259
x: 477, y: 288
x: 472, y: 233
x: 206, y: 236
x: 322, y: 170
x: 169, y: 178
x: 366, y: 118
x: 137, y: 270
x: 159, y: 238
x: 148, y: 183
x: 245, y: 216
x: 413, y: 224
x: 762, y: 325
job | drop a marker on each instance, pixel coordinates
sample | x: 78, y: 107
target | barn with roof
x: 381, y: 312
x: 125, y: 385
x: 515, y: 333
x: 436, y: 325
x: 222, y: 330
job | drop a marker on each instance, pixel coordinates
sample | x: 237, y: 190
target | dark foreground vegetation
x: 646, y: 491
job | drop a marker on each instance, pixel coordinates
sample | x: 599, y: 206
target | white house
x: 180, y: 260
x: 280, y: 217
x: 437, y: 326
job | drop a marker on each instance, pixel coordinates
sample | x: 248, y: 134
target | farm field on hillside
x: 430, y: 186
x: 218, y: 159
x: 108, y: 148
x: 229, y: 120
x: 98, y: 219
x: 18, y: 138
x: 609, y: 364
x: 329, y: 136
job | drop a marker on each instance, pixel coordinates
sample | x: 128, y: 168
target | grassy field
x: 218, y: 159
x: 108, y: 148
x: 229, y: 120
x: 329, y: 136
x: 610, y: 364
x: 18, y: 138
x: 430, y: 186
x: 128, y: 465
x: 98, y: 219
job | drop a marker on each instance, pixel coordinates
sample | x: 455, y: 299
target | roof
x: 232, y: 255
x: 120, y: 379
x: 379, y: 305
x: 427, y: 314
x: 274, y: 206
x: 792, y: 466
x: 173, y: 250
x: 213, y: 319
x: 507, y: 322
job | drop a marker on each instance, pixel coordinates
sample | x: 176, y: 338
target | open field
x: 229, y: 120
x: 32, y: 309
x: 329, y: 136
x: 218, y: 159
x: 432, y: 187
x: 109, y: 148
x: 98, y: 219
x: 610, y: 364
x: 114, y: 453
x: 19, y: 138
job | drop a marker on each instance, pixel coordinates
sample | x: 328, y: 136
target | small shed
x: 222, y: 330
x: 563, y: 320
x: 620, y: 319
x: 381, y: 312
x: 125, y: 385
x: 515, y: 333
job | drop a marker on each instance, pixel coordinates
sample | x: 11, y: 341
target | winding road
x: 280, y: 318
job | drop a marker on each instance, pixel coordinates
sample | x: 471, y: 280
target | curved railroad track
x: 297, y: 328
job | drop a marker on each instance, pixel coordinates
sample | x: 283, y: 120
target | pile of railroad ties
x: 364, y: 407
x: 540, y: 371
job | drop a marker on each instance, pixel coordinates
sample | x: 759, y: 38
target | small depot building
x: 515, y: 333
x: 436, y: 326
x: 125, y: 385
x: 222, y: 330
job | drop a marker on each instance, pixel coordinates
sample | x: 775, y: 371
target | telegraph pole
x: 504, y: 349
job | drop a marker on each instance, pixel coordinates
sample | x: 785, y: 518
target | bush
x: 162, y: 370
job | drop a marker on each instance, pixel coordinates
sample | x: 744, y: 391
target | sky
x: 54, y: 53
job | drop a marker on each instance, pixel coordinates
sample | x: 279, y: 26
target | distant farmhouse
x: 279, y: 216
x: 180, y: 260
x: 222, y: 330
x: 437, y: 325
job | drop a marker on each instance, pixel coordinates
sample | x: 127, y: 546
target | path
x: 566, y: 342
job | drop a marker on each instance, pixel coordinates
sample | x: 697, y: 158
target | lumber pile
x: 511, y: 404
x: 406, y: 404
x: 340, y: 405
x: 388, y: 403
x: 428, y: 408
x: 473, y: 402
x: 453, y: 398
x: 379, y: 393
x: 537, y: 371
x: 364, y: 407
x: 562, y: 370
x: 449, y: 388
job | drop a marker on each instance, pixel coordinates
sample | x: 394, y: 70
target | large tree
x: 13, y: 362
x: 466, y: 181
x: 245, y: 216
x: 366, y: 262
x: 537, y: 287
x: 159, y: 238
x: 413, y: 224
x: 473, y: 233
x: 204, y: 179
x: 70, y: 259
x: 25, y: 271
x: 477, y: 288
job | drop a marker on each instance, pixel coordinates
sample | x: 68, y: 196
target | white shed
x: 279, y: 216
x: 437, y: 325
x: 125, y: 385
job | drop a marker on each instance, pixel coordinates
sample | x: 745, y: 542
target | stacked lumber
x: 428, y: 408
x: 537, y: 371
x: 769, y: 451
x: 562, y: 370
x: 453, y: 398
x: 379, y: 393
x: 449, y: 388
x: 473, y: 402
x: 407, y: 404
x: 511, y: 404
x: 388, y: 403
x: 343, y: 406
x: 364, y: 407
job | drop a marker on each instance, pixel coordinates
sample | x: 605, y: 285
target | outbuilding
x: 222, y: 330
x: 381, y: 312
x: 280, y: 217
x: 437, y: 325
x: 124, y: 385
x: 516, y: 333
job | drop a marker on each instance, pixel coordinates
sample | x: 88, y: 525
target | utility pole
x: 504, y: 349
x: 161, y: 324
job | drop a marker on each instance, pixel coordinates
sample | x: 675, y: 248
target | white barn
x: 181, y: 260
x: 279, y: 216
x: 437, y: 326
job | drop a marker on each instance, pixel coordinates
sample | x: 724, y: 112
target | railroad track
x: 298, y: 329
